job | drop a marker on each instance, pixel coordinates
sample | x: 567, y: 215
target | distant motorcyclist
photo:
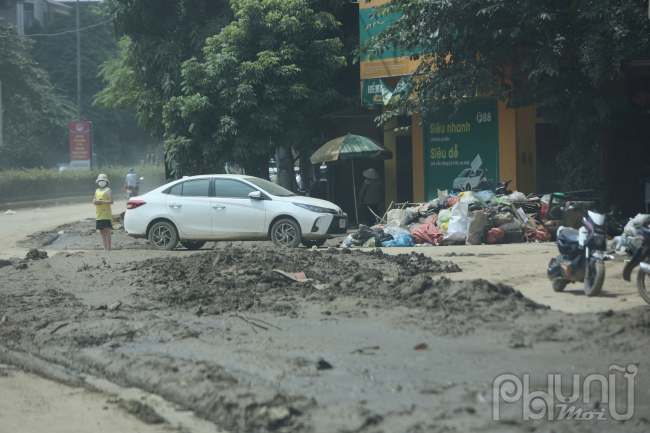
x: 131, y: 182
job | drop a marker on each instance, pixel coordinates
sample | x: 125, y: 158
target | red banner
x: 80, y: 145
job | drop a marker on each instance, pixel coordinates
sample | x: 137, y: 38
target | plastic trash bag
x: 476, y: 222
x: 495, y: 236
x: 443, y: 216
x: 414, y: 212
x: 502, y: 218
x: 388, y: 244
x: 402, y: 217
x: 457, y: 229
x: 405, y: 241
x: 365, y: 233
x: 517, y: 197
x: 464, y: 194
x: 444, y: 227
x: 639, y: 220
x: 546, y: 198
x: 453, y: 201
x: 351, y: 241
x: 396, y: 230
x: 370, y: 243
x: 486, y: 195
x: 380, y: 239
x: 427, y: 233
x: 512, y: 226
x: 469, y: 199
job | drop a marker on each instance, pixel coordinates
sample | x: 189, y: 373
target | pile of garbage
x: 469, y: 217
x: 630, y: 241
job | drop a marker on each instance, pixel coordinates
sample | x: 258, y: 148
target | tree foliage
x: 58, y: 56
x: 35, y: 117
x: 157, y: 37
x: 263, y: 80
x: 556, y: 54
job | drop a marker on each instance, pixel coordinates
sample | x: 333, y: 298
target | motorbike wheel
x: 594, y: 277
x: 313, y: 243
x: 192, y: 245
x: 559, y: 285
x: 640, y: 285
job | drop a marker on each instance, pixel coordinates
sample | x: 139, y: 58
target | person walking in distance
x: 103, y: 201
x: 371, y: 195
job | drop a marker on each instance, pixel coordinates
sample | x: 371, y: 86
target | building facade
x: 26, y: 13
x: 485, y: 142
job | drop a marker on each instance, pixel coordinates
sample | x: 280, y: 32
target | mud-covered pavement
x: 374, y: 342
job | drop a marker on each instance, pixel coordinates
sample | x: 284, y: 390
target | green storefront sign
x: 463, y: 152
x: 375, y: 92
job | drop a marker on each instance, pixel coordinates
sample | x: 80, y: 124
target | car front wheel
x: 286, y: 233
x: 163, y: 236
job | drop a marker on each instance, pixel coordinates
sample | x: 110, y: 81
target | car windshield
x: 464, y: 173
x: 269, y: 187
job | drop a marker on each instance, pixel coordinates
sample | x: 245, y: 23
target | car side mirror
x: 256, y: 195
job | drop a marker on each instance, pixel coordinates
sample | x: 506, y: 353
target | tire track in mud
x: 185, y: 300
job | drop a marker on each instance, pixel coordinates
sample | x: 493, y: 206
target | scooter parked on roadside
x: 640, y: 259
x: 582, y: 254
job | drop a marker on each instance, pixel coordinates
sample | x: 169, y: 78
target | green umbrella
x: 351, y: 147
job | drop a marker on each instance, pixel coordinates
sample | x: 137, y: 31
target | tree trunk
x: 286, y: 177
x: 305, y: 170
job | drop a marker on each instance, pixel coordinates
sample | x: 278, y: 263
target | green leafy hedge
x: 39, y: 183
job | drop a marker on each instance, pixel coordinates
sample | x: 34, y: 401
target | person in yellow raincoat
x: 103, y: 201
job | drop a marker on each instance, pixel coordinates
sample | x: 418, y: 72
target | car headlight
x: 317, y: 209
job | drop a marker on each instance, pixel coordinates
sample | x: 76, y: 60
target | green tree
x: 157, y: 37
x: 35, y: 118
x: 58, y: 56
x: 556, y: 54
x: 264, y: 78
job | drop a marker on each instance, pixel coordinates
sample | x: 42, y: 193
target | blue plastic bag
x: 405, y: 241
x: 389, y: 244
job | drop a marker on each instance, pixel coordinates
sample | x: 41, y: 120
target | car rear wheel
x: 313, y: 243
x: 193, y: 245
x: 163, y: 236
x: 286, y: 233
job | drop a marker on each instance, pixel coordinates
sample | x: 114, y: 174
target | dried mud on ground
x: 373, y: 343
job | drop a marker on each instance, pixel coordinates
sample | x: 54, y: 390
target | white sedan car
x: 197, y: 209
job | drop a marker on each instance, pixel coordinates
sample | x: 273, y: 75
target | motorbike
x: 502, y: 188
x: 484, y: 184
x: 131, y: 191
x: 640, y: 259
x: 582, y: 254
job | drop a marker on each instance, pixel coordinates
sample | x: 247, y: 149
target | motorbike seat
x: 567, y: 235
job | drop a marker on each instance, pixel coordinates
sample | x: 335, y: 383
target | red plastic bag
x: 453, y: 201
x: 544, y: 210
x: 540, y: 234
x: 427, y: 233
x: 495, y: 236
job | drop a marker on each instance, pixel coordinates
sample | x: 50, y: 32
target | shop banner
x: 462, y: 153
x: 376, y: 92
x: 80, y: 147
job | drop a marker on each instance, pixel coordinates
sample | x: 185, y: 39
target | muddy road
x: 375, y: 341
x: 372, y: 343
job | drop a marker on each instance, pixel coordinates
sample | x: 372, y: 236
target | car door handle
x: 175, y: 205
x: 219, y: 206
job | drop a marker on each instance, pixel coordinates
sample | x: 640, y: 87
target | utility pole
x: 78, y: 67
x: 0, y: 113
